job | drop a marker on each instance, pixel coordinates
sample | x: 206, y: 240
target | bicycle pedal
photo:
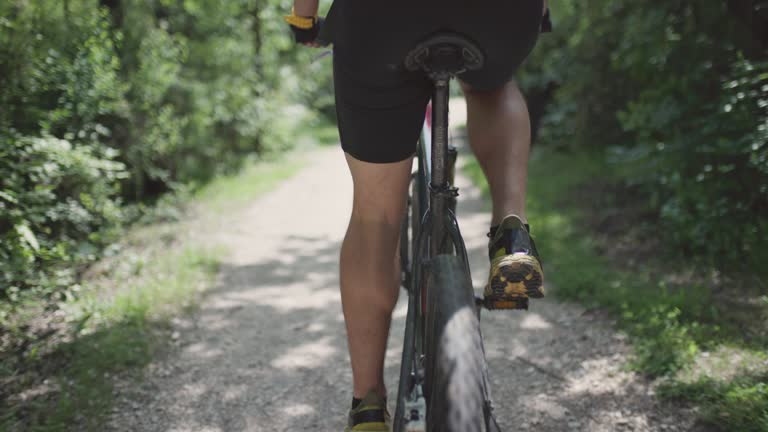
x: 520, y: 303
x: 416, y: 415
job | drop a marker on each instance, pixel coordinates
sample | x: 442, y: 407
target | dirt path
x: 267, y: 352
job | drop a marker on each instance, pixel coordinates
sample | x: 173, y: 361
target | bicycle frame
x: 437, y: 161
x: 438, y: 231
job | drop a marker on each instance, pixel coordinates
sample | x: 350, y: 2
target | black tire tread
x: 454, y: 352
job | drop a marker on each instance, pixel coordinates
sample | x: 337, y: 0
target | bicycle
x: 444, y: 382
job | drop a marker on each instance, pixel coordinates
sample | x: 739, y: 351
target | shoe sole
x: 387, y: 427
x: 519, y: 303
x: 516, y: 278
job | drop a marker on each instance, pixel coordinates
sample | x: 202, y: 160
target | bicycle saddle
x: 445, y: 54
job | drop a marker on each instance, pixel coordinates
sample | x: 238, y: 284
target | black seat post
x: 439, y: 180
x: 440, y: 131
x: 442, y: 57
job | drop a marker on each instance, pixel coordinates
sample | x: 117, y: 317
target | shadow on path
x: 267, y: 349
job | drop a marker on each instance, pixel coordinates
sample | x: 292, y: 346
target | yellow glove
x: 303, y: 23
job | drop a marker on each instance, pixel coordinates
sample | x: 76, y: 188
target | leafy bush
x: 59, y: 205
x: 663, y: 344
x: 106, y: 103
x: 738, y: 405
x: 677, y: 91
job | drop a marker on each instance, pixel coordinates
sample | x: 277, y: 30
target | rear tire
x: 454, y: 357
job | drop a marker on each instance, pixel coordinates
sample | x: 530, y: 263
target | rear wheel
x: 454, y: 353
x: 410, y: 260
x: 409, y: 231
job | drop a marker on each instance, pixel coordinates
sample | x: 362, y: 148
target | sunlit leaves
x: 670, y: 84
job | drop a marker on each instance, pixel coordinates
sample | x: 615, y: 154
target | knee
x: 378, y: 228
x: 383, y: 215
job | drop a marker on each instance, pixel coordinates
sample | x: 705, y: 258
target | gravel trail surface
x: 266, y: 351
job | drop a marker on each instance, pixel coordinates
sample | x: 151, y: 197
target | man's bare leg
x: 368, y: 263
x: 499, y: 132
x: 500, y: 136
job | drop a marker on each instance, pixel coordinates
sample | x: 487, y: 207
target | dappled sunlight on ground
x: 300, y: 297
x: 546, y: 404
x: 235, y: 392
x: 193, y: 391
x: 533, y: 321
x: 202, y: 350
x: 307, y: 355
x: 267, y: 350
x: 298, y: 410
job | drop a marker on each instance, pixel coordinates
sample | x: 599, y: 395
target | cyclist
x: 380, y: 110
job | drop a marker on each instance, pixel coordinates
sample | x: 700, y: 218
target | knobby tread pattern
x: 517, y: 275
x: 455, y: 352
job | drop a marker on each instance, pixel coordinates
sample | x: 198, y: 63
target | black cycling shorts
x: 380, y: 106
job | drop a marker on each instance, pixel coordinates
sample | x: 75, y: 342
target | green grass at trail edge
x: 253, y: 180
x: 117, y: 328
x: 738, y: 405
x: 326, y: 133
x: 262, y: 174
x: 115, y: 335
x: 667, y: 328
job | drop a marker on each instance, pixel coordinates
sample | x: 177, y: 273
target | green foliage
x: 739, y: 405
x: 677, y: 90
x: 227, y: 191
x: 58, y: 70
x: 108, y: 104
x: 663, y: 341
x: 206, y: 78
x: 58, y: 206
x: 668, y: 328
x: 113, y: 334
x: 84, y: 386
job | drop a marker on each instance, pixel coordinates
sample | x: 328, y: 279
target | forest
x: 107, y: 107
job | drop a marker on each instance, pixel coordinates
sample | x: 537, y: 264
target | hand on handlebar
x: 305, y: 29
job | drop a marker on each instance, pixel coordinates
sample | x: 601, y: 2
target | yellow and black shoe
x: 369, y: 414
x: 516, y: 272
